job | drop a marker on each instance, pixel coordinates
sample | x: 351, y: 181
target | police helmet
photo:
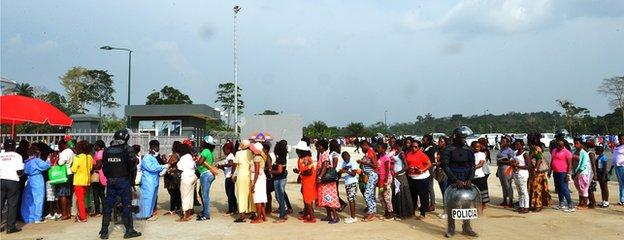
x: 122, y: 134
x: 462, y: 132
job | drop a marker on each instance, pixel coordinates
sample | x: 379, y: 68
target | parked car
x: 437, y: 136
x: 546, y: 138
x: 472, y: 138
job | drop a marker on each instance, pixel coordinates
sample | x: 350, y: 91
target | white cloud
x: 510, y: 16
x: 293, y: 41
x: 176, y: 60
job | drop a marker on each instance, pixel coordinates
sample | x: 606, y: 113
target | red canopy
x: 16, y: 109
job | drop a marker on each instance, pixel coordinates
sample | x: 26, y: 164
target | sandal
x: 257, y: 220
x: 240, y: 220
x: 369, y: 218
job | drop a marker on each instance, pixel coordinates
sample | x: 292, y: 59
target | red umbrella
x: 16, y: 109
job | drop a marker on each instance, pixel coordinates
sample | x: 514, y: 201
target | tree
x: 319, y: 129
x: 225, y: 97
x: 101, y: 89
x: 355, y: 129
x: 613, y: 88
x: 112, y: 123
x: 572, y: 113
x: 168, y: 95
x: 24, y: 89
x: 75, y: 81
x: 57, y: 100
x: 269, y: 112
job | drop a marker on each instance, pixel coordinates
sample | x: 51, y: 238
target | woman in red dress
x: 307, y: 171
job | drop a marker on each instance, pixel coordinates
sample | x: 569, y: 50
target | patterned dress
x: 540, y: 196
x: 327, y: 193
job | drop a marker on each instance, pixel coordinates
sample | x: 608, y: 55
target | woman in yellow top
x: 81, y: 167
x: 243, y: 181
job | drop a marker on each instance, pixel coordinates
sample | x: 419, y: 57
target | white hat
x: 244, y: 144
x: 256, y: 148
x: 303, y: 146
x: 210, y: 140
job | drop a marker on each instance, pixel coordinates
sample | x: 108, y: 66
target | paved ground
x: 496, y: 223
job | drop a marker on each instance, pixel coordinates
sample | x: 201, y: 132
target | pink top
x: 383, y: 170
x: 324, y: 157
x: 97, y: 157
x: 560, y: 160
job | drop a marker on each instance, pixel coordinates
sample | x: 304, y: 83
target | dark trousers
x: 118, y: 187
x: 175, y: 199
x: 231, y: 195
x: 99, y: 198
x: 419, y: 188
x: 10, y: 195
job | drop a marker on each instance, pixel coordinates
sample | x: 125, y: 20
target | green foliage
x: 613, y: 88
x: 168, y: 95
x: 57, y: 100
x: 101, y: 89
x: 112, y: 123
x: 216, y: 125
x: 355, y: 129
x: 24, y: 89
x: 88, y: 87
x: 319, y: 129
x: 573, y: 114
x: 225, y: 97
x: 269, y: 112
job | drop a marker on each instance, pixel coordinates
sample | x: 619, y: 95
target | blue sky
x: 336, y: 61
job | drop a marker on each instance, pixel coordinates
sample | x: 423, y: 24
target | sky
x: 335, y: 61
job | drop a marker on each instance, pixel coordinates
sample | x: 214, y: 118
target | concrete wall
x: 288, y: 127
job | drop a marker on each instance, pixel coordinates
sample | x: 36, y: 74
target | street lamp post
x: 129, y: 71
x: 236, y: 10
x: 386, y: 119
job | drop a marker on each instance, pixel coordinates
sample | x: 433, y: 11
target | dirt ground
x: 495, y: 223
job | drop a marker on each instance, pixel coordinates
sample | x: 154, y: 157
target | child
x: 602, y: 176
x: 52, y: 201
x: 385, y: 180
x: 581, y: 173
x: 352, y: 170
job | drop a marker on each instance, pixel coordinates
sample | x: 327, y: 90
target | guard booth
x: 172, y: 120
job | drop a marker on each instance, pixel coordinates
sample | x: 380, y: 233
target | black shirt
x: 282, y: 161
x: 118, y: 162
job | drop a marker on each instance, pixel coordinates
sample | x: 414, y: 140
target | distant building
x: 6, y: 85
x: 171, y: 120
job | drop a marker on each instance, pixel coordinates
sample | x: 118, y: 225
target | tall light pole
x: 129, y: 70
x: 386, y: 119
x: 236, y: 10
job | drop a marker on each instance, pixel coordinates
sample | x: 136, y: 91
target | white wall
x: 288, y: 126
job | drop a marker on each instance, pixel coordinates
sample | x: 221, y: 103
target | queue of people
x: 80, y: 180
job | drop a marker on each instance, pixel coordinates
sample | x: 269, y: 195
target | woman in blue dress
x: 34, y: 192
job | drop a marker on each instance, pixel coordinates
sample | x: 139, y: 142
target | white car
x: 472, y: 138
x: 436, y: 136
x: 546, y: 138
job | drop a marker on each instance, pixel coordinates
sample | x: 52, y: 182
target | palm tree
x: 24, y: 89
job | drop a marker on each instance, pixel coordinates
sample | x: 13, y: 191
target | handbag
x: 57, y: 174
x: 95, y: 177
x: 543, y: 167
x: 331, y: 175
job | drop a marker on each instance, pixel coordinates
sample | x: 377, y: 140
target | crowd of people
x: 77, y: 179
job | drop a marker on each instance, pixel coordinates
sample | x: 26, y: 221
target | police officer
x: 459, y: 165
x: 120, y: 170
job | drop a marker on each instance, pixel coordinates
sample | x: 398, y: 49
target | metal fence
x: 141, y: 139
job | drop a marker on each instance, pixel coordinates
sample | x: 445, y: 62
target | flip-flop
x: 239, y: 220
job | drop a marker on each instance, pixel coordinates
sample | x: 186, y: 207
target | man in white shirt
x: 66, y: 157
x: 11, y: 167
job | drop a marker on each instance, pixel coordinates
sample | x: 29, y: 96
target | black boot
x: 105, y: 223
x: 467, y: 229
x: 450, y: 229
x: 129, y: 224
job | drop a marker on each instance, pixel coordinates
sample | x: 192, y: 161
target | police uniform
x: 120, y: 170
x: 459, y: 165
